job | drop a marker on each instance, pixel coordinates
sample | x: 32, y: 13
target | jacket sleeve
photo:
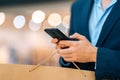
x: 62, y: 62
x: 108, y: 64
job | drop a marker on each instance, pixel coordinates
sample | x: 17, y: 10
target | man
x: 96, y: 24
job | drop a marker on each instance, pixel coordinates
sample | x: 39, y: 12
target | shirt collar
x: 98, y: 3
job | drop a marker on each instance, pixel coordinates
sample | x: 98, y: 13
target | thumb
x: 78, y: 36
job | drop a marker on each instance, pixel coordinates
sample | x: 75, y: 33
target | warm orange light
x: 66, y: 21
x: 54, y: 19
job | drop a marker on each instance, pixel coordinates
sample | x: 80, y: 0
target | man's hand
x: 77, y: 51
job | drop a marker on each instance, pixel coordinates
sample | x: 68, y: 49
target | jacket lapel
x: 84, y: 30
x: 109, y: 23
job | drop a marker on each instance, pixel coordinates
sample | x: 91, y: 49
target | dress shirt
x: 97, y: 19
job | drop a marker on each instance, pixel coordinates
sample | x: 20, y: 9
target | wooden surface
x: 21, y: 72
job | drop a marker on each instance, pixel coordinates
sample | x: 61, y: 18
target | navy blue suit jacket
x: 108, y: 54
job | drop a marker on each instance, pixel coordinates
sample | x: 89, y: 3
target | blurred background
x: 22, y: 24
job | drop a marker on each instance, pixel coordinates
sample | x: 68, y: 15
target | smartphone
x: 56, y: 33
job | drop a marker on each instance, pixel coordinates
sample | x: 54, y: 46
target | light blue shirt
x: 97, y: 19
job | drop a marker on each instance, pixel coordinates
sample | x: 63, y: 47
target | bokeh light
x: 2, y: 18
x: 54, y: 19
x: 66, y: 21
x: 38, y: 16
x: 34, y: 26
x: 19, y: 21
x: 62, y: 28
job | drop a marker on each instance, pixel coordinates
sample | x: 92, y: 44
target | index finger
x: 67, y: 42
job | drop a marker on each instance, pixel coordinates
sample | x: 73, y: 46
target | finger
x: 68, y: 43
x: 58, y: 46
x: 66, y: 51
x: 69, y: 59
x: 78, y: 36
x: 66, y: 57
x: 54, y: 40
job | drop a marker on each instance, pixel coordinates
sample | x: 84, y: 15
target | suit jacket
x: 108, y: 54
